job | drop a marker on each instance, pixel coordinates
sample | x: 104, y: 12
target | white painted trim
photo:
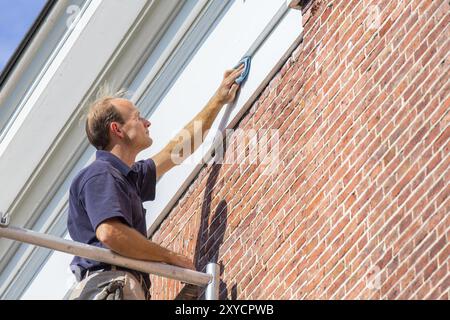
x: 74, y: 136
x: 74, y: 61
x: 69, y: 150
x: 169, y: 50
x: 64, y: 141
x: 34, y: 63
x: 265, y: 63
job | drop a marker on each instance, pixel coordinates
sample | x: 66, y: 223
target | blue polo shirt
x: 106, y: 189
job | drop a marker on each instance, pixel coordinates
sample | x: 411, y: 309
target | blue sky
x: 16, y: 17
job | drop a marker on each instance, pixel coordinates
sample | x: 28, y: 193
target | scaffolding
x: 210, y: 279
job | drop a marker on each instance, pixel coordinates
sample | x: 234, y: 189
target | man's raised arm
x: 166, y: 159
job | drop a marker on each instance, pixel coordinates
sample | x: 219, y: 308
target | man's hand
x: 225, y: 94
x: 128, y: 242
x: 228, y: 88
x: 181, y: 261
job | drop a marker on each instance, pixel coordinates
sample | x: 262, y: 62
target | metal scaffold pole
x: 210, y: 279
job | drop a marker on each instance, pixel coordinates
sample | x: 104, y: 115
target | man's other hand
x: 181, y: 261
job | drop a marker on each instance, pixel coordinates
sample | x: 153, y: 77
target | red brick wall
x: 359, y: 206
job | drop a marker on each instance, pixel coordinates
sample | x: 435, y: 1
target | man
x: 106, y: 197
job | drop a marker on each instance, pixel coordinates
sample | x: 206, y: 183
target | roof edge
x: 18, y: 53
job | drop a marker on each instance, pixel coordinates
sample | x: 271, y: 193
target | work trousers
x: 96, y: 285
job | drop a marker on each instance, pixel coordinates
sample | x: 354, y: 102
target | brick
x: 363, y: 122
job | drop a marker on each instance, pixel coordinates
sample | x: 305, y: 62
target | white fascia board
x: 265, y: 63
x: 55, y: 282
x: 272, y: 63
x: 52, y: 33
x: 95, y: 38
x: 38, y: 207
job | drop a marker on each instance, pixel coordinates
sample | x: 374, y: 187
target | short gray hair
x: 101, y: 114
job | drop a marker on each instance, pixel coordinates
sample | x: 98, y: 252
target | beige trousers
x: 88, y: 288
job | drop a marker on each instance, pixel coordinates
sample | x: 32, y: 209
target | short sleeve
x: 146, y: 181
x: 104, y: 198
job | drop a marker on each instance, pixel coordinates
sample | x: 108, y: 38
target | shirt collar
x: 115, y: 161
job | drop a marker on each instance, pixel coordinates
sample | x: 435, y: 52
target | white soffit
x: 231, y: 39
x: 206, y: 71
x: 22, y: 267
x: 59, y: 93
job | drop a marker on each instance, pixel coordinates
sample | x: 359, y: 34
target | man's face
x: 135, y: 128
